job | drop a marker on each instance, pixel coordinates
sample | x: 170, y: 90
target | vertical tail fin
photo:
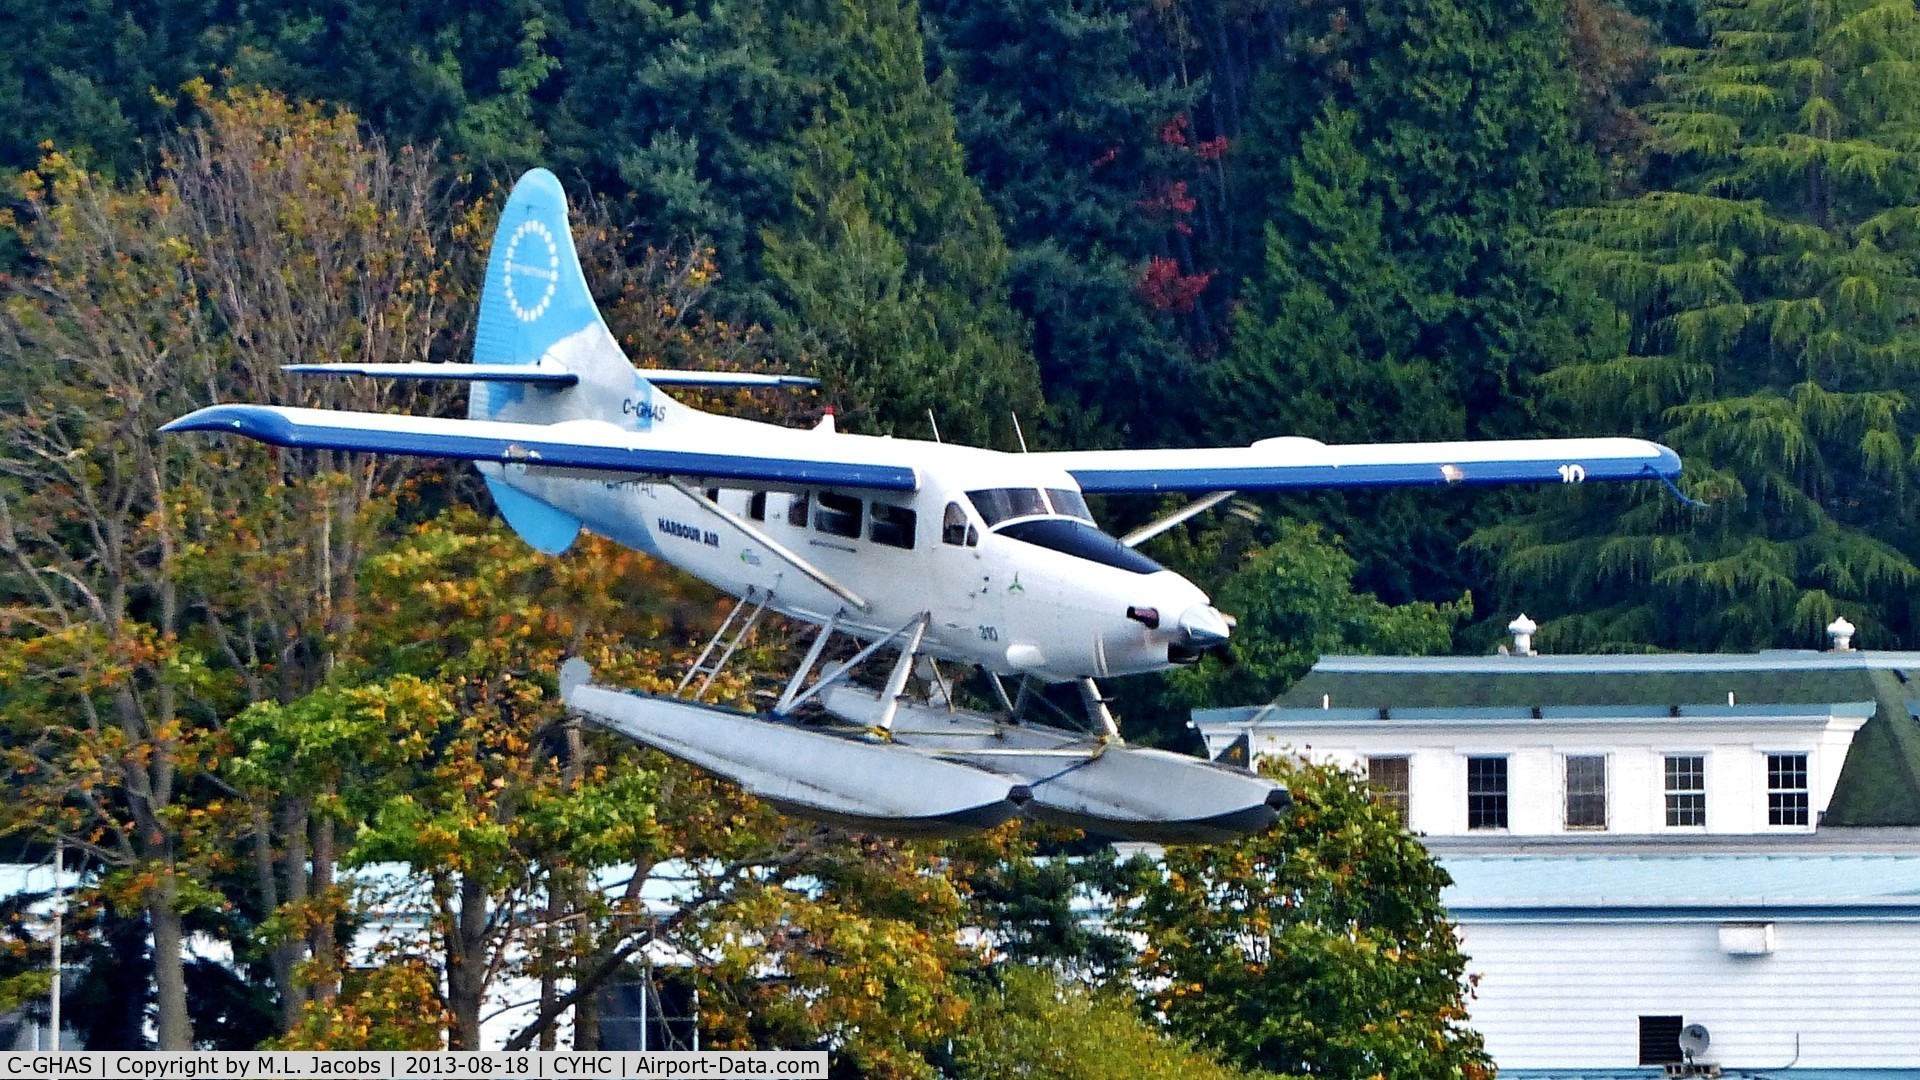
x: 535, y: 306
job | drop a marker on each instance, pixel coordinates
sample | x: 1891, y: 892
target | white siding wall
x: 1571, y: 994
x: 1735, y: 752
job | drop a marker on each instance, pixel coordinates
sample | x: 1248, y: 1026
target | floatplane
x: 912, y: 554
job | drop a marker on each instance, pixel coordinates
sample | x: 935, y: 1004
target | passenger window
x: 838, y: 515
x: 757, y: 506
x: 797, y: 511
x: 892, y: 526
x: 713, y: 495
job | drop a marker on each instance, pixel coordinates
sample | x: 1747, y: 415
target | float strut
x: 738, y: 635
x: 897, y: 682
x: 1098, y: 712
x: 806, y: 666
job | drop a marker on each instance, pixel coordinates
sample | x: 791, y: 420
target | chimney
x: 1841, y: 631
x: 1522, y: 630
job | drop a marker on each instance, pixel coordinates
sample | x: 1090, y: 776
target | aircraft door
x: 963, y: 574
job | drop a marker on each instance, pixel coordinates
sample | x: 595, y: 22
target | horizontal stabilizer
x: 722, y: 378
x: 796, y: 461
x: 544, y: 372
x: 547, y: 374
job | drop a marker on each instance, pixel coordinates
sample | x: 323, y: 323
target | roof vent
x: 1841, y: 631
x: 1522, y: 630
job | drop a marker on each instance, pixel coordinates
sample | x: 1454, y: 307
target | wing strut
x: 788, y: 556
x: 1154, y: 528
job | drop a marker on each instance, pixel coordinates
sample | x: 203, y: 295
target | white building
x: 1642, y: 843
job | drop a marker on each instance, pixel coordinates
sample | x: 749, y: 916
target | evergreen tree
x: 1060, y: 130
x: 892, y: 266
x: 1411, y: 165
x: 1763, y: 322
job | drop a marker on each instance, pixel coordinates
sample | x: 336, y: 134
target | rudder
x: 535, y: 306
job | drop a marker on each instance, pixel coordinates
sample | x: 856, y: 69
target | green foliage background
x: 1174, y: 222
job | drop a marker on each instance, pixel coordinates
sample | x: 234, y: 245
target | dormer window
x: 1486, y: 793
x: 1586, y: 791
x: 1686, y: 776
x: 1786, y: 789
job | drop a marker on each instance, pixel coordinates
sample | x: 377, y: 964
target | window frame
x: 956, y: 528
x: 1789, y: 801
x: 1499, y: 802
x: 997, y: 506
x: 1568, y: 794
x: 1656, y: 1031
x: 900, y: 528
x: 1400, y: 798
x: 1670, y: 807
x: 838, y: 514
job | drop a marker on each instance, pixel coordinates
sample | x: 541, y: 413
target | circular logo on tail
x: 529, y: 274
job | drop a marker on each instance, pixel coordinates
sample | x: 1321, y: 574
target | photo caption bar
x: 419, y: 1064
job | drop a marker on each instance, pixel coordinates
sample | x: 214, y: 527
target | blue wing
x: 1298, y: 463
x: 756, y: 454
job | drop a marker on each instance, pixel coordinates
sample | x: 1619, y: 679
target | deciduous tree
x: 1318, y: 948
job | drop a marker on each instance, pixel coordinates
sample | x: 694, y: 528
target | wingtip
x: 198, y: 420
x: 253, y: 421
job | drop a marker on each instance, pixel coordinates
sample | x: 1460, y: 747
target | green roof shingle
x: 1879, y: 782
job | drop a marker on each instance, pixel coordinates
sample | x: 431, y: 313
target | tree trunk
x: 324, y: 949
x: 467, y: 963
x: 169, y: 967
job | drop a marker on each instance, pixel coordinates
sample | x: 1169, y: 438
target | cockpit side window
x: 955, y: 530
x: 1068, y: 503
x: 1003, y: 504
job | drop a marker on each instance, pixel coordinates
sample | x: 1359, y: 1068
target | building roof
x: 1879, y: 782
x: 1732, y: 1073
x: 1854, y: 885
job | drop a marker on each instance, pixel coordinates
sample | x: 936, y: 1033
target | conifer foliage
x: 1762, y: 321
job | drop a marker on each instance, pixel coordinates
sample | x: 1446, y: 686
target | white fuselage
x: 1054, y: 605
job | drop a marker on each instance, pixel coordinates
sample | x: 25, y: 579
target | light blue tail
x: 535, y: 307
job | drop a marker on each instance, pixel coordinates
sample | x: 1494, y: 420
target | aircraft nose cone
x: 1204, y: 625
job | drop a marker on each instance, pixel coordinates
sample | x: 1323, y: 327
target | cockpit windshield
x: 1082, y: 541
x: 1067, y: 502
x: 996, y: 505
x: 1003, y: 504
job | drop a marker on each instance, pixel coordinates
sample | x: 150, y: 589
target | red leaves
x: 1170, y: 199
x: 1165, y: 288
